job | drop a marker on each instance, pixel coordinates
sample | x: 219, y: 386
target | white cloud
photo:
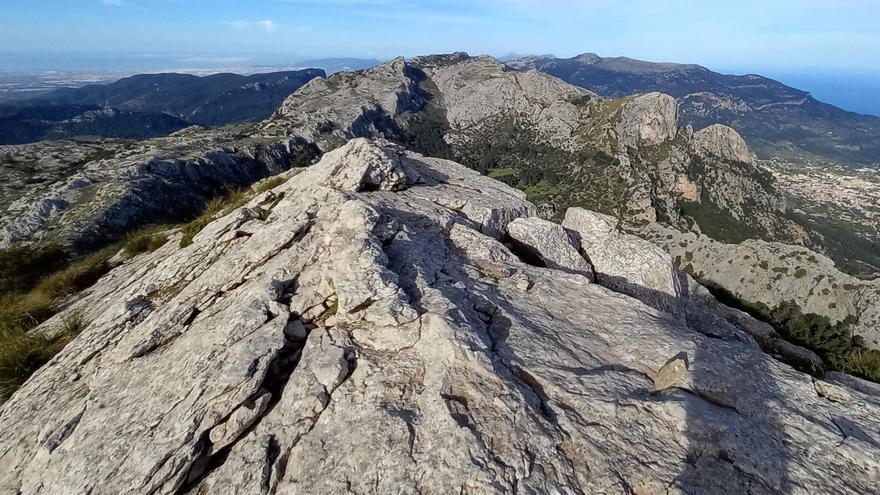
x: 266, y: 25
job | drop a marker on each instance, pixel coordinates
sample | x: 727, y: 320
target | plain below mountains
x: 776, y: 120
x: 149, y: 105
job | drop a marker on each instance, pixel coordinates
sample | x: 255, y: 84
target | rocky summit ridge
x: 564, y: 145
x: 375, y: 324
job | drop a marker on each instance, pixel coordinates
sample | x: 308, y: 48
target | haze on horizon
x: 780, y: 34
x: 786, y: 39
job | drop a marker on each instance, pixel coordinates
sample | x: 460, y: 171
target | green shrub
x: 800, y: 272
x: 834, y: 343
x: 717, y: 223
x: 145, y: 240
x: 864, y: 363
x: 21, y: 267
x: 221, y: 204
x: 506, y: 175
x: 196, y: 225
x: 23, y: 353
x: 269, y: 184
x: 236, y: 198
x: 25, y: 310
x: 78, y: 276
x: 854, y: 249
x: 542, y: 190
x: 73, y: 324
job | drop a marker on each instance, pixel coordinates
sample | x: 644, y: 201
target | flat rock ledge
x: 362, y: 328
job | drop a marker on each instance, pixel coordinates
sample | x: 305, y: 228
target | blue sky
x: 754, y: 34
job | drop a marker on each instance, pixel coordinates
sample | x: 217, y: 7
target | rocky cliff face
x: 563, y: 145
x: 649, y: 119
x: 84, y: 194
x: 363, y: 328
x: 720, y: 141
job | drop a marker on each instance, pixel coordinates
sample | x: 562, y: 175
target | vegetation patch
x: 31, y: 301
x: 542, y: 190
x: 833, y: 342
x: 506, y: 175
x: 145, y: 240
x: 864, y: 363
x: 22, y: 310
x: 718, y: 223
x: 21, y: 267
x: 22, y: 353
x: 269, y: 184
x: 844, y: 242
x: 219, y: 205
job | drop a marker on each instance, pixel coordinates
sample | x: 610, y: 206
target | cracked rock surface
x: 373, y: 334
x: 624, y: 262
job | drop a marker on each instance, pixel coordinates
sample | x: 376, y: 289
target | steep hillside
x: 775, y: 119
x: 363, y: 328
x: 84, y: 194
x: 769, y: 276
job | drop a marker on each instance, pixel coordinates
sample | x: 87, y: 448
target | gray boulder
x: 626, y: 263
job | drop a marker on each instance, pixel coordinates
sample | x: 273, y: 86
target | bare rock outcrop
x: 84, y: 194
x: 347, y: 105
x: 722, y: 142
x: 368, y: 331
x: 567, y: 144
x: 648, y: 119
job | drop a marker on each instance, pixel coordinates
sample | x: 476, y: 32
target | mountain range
x: 148, y: 105
x: 439, y: 274
x: 776, y: 120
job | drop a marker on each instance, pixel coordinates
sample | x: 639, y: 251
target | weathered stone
x: 626, y: 263
x: 85, y: 194
x: 773, y: 274
x: 722, y: 142
x: 550, y: 243
x: 452, y: 366
x: 648, y: 119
